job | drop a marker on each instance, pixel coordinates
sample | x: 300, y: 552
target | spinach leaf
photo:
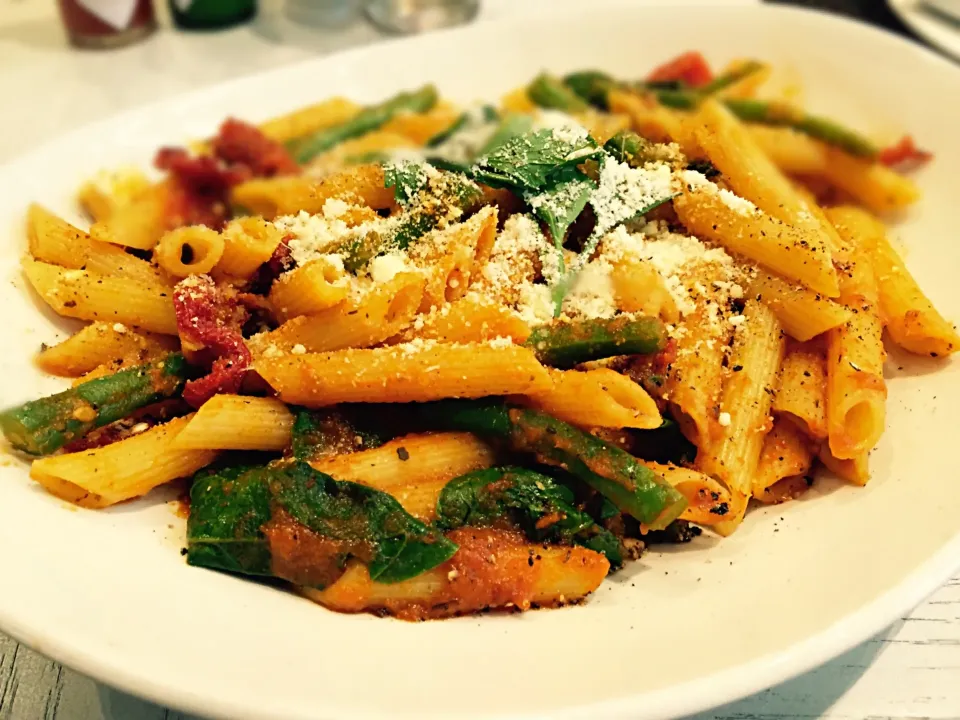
x: 234, y: 509
x: 407, y: 178
x: 402, y: 546
x: 535, y: 503
x: 318, y: 433
x: 527, y: 162
x: 228, y: 506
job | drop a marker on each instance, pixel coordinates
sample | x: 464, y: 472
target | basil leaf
x: 560, y: 205
x: 407, y: 178
x: 527, y: 162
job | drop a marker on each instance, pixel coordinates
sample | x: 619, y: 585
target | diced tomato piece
x: 690, y: 68
x: 905, y: 155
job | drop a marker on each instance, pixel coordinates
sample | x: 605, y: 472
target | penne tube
x: 271, y: 197
x: 121, y: 471
x: 101, y: 196
x: 802, y: 313
x: 138, y: 224
x: 235, y: 422
x: 708, y: 501
x: 794, y: 152
x: 751, y: 174
x: 492, y: 569
x: 404, y: 373
x: 786, y: 453
x: 856, y: 390
x: 876, y: 186
x: 801, y: 396
x: 597, y: 398
x: 694, y: 379
x: 100, y: 344
x: 310, y: 119
x: 191, y: 250
x: 111, y: 299
x: 420, y: 127
x: 744, y: 410
x: 377, y: 314
x: 639, y: 288
x: 747, y: 231
x: 248, y: 242
x: 449, y: 258
x: 470, y: 319
x: 414, y: 469
x: 907, y: 314
x: 309, y: 289
x: 854, y: 470
x: 54, y: 240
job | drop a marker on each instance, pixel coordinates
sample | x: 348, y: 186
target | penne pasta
x: 404, y: 374
x: 786, y: 453
x: 414, y: 469
x: 597, y: 398
x: 854, y: 470
x: 470, y: 319
x: 108, y: 191
x: 520, y: 575
x: 751, y: 174
x: 138, y: 224
x: 745, y: 402
x: 248, y: 243
x: 271, y: 197
x: 84, y: 295
x: 802, y: 313
x: 747, y: 231
x: 100, y: 344
x: 233, y: 422
x: 53, y: 240
x: 801, y: 396
x: 193, y: 250
x: 378, y: 313
x: 708, y: 500
x: 449, y: 258
x: 121, y: 471
x: 693, y: 382
x: 309, y: 289
x: 856, y: 390
x: 907, y: 314
x: 310, y: 119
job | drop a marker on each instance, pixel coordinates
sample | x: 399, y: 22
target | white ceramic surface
x: 683, y: 629
x: 935, y: 30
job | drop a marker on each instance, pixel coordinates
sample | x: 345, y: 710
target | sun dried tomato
x: 208, y: 317
x: 239, y: 143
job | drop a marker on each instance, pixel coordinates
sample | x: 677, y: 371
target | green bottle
x: 211, y: 14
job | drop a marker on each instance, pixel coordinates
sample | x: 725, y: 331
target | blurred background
x: 64, y: 63
x: 128, y: 52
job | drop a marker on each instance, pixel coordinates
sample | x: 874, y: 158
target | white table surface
x: 912, y: 670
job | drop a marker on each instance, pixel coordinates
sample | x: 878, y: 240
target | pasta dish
x: 422, y: 360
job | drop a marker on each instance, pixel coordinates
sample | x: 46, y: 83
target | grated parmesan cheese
x: 624, y: 191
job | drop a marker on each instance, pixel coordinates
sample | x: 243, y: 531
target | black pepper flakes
x: 403, y: 454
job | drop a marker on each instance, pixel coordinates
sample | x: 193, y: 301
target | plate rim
x: 699, y: 694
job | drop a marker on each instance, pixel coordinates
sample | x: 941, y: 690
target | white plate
x: 935, y: 30
x: 688, y: 628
